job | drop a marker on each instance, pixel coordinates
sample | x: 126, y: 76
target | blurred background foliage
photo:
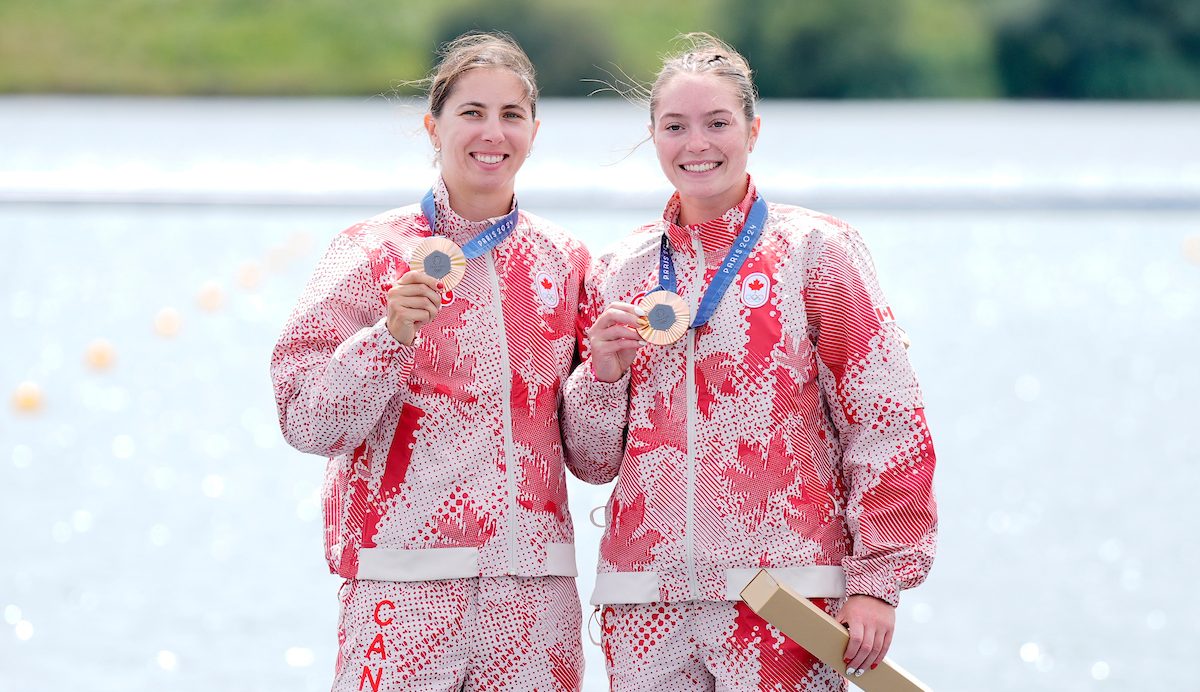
x: 1107, y: 49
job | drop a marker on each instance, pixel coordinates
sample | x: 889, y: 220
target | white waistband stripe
x: 429, y: 564
x: 560, y: 560
x: 384, y: 564
x: 817, y: 581
x: 625, y: 587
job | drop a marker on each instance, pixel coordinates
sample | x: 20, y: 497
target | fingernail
x: 858, y: 673
x: 873, y: 666
x: 849, y: 671
x: 638, y: 311
x: 846, y: 661
x: 441, y: 286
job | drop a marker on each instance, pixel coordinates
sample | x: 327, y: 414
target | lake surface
x: 156, y: 533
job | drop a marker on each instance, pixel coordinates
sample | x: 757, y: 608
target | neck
x: 480, y: 205
x: 693, y: 210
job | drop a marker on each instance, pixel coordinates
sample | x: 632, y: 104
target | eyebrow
x: 476, y: 104
x: 719, y: 111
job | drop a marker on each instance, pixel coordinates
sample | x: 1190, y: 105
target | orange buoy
x: 250, y: 276
x: 28, y: 398
x: 211, y: 296
x: 100, y: 355
x: 167, y: 322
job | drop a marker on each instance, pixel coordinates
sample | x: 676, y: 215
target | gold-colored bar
x: 821, y: 635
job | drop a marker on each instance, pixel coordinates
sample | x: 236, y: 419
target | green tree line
x: 1110, y: 49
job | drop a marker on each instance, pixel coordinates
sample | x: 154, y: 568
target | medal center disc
x: 437, y: 264
x: 661, y: 317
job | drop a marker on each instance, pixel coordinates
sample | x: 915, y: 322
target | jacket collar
x: 716, y: 235
x: 452, y: 226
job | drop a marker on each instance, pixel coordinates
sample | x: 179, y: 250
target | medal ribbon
x: 734, y: 260
x: 479, y: 246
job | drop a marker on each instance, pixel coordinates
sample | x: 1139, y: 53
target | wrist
x: 603, y: 375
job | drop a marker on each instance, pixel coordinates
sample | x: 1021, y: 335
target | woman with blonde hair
x: 748, y: 387
x: 425, y: 358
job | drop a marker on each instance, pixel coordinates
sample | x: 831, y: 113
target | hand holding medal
x: 666, y: 318
x: 413, y: 302
x: 613, y: 341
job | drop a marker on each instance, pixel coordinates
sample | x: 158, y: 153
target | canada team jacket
x: 446, y: 457
x: 787, y: 433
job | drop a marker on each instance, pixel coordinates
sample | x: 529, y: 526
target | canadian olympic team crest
x: 756, y: 289
x: 546, y: 289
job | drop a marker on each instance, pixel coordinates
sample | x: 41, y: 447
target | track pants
x: 707, y: 645
x: 489, y: 633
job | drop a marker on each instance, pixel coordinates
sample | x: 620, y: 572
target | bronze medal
x: 441, y: 259
x: 667, y: 318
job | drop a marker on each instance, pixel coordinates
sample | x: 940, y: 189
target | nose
x: 696, y: 141
x: 492, y: 132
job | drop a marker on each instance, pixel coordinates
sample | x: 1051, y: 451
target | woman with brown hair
x: 748, y: 387
x: 425, y: 358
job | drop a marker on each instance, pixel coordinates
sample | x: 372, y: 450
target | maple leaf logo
x: 668, y: 425
x: 761, y: 475
x: 620, y: 545
x: 546, y: 284
x: 533, y: 420
x: 756, y: 285
x: 471, y: 530
x: 541, y: 489
x: 797, y: 355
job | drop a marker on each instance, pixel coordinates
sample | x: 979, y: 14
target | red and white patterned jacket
x: 447, y: 456
x: 786, y: 433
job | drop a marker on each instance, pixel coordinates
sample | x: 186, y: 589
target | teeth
x: 700, y: 167
x: 489, y: 158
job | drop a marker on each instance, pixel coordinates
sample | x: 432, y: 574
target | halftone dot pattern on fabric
x: 669, y: 647
x: 486, y: 634
x: 448, y: 443
x: 810, y: 446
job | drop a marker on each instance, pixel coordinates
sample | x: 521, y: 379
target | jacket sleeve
x: 595, y: 414
x: 336, y: 365
x: 878, y: 414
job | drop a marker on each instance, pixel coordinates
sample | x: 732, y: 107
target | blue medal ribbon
x: 479, y: 246
x: 729, y: 268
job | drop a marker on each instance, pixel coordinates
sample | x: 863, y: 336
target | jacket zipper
x: 510, y: 456
x: 689, y: 538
